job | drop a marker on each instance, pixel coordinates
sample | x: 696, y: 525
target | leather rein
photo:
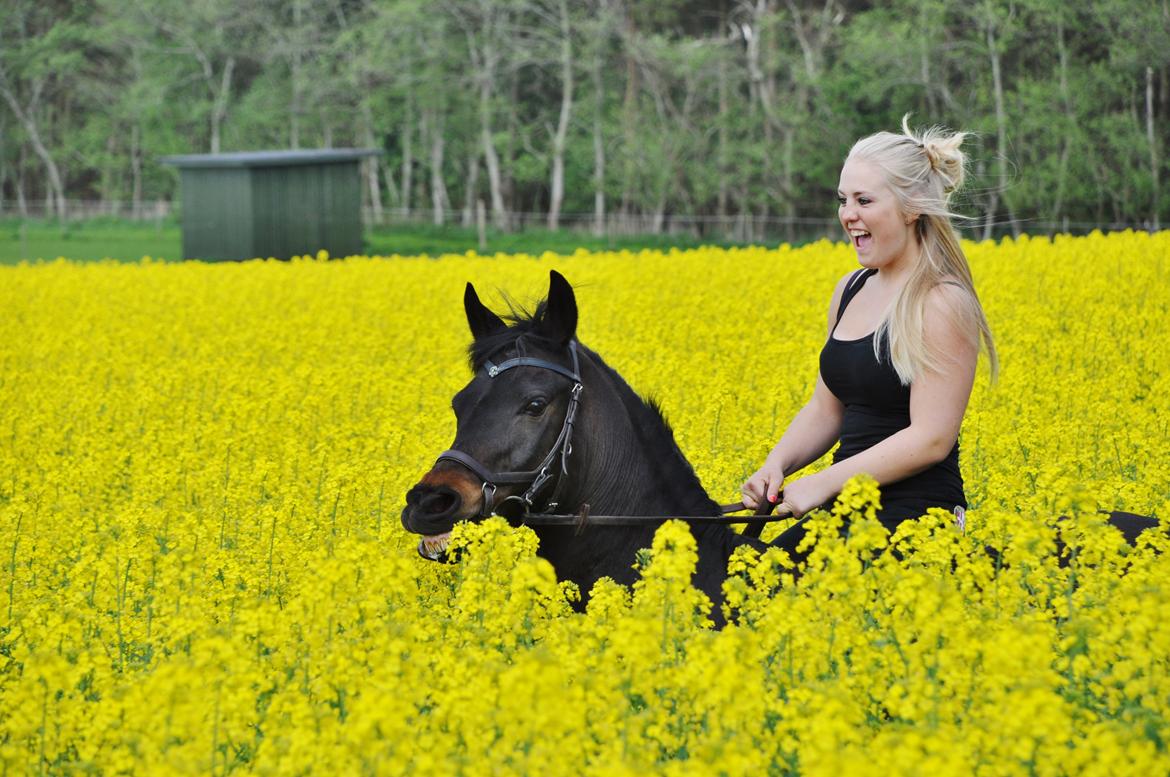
x: 555, y: 466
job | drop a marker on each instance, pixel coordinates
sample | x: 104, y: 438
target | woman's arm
x: 809, y: 435
x: 938, y: 400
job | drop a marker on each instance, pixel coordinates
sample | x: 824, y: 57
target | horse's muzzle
x: 433, y: 506
x: 431, y: 509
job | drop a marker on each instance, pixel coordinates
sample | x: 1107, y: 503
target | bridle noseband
x: 537, y: 478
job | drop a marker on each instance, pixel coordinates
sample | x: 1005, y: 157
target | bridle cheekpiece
x: 537, y: 479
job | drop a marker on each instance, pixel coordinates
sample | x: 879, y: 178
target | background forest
x: 723, y: 117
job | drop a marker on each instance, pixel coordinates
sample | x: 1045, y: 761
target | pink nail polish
x: 772, y: 499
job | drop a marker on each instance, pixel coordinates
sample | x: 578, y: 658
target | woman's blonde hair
x: 923, y: 169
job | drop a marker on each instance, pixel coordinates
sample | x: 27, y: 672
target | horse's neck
x: 626, y: 462
x: 632, y: 464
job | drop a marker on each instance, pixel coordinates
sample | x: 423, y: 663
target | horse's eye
x: 535, y: 406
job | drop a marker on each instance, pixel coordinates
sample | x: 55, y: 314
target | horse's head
x: 514, y: 420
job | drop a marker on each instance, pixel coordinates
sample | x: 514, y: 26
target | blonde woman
x: 904, y: 336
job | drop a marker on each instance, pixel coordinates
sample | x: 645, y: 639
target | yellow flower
x: 202, y: 567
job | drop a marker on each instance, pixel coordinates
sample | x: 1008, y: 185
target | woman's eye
x: 536, y: 406
x: 864, y: 200
x: 840, y: 200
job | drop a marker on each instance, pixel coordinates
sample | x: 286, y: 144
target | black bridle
x: 536, y: 479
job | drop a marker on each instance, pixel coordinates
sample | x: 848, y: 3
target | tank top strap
x: 852, y: 286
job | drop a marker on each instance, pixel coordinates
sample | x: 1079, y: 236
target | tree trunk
x: 106, y: 187
x: 371, y: 164
x: 294, y: 107
x: 557, y: 184
x: 220, y: 103
x: 789, y: 185
x: 1164, y: 78
x: 659, y: 216
x: 766, y: 92
x: 925, y: 41
x: 136, y: 140
x: 471, y: 190
x: 439, y: 199
x: 1152, y: 139
x: 813, y: 38
x: 4, y: 173
x: 763, y: 87
x: 407, y: 154
x: 21, y: 199
x: 136, y: 169
x: 1001, y: 133
x: 55, y: 191
x: 808, y: 51
x: 392, y: 191
x: 491, y: 159
x: 508, y: 159
x: 722, y: 154
x: 1066, y: 140
x: 3, y: 157
x: 629, y: 114
x: 598, y: 145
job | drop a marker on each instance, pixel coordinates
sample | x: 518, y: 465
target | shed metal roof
x: 270, y: 158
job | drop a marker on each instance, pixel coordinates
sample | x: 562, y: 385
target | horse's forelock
x: 524, y: 328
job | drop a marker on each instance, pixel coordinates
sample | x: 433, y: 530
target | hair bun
x: 942, y: 150
x: 946, y: 159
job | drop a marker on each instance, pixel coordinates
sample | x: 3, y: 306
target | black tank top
x: 876, y: 406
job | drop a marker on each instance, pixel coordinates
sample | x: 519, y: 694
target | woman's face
x: 871, y: 217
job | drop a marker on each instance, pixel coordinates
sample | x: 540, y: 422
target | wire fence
x: 87, y: 210
x: 741, y: 228
x: 732, y: 228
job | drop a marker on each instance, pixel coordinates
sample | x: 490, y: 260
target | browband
x: 574, y: 375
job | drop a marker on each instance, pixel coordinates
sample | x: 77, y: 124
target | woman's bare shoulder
x: 835, y: 300
x: 949, y: 294
x: 950, y: 311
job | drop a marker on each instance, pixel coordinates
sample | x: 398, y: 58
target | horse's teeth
x: 433, y: 546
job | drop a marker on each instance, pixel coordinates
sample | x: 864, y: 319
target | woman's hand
x: 764, y: 485
x: 801, y: 496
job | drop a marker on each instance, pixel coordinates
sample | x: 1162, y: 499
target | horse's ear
x: 560, y: 317
x: 482, y: 321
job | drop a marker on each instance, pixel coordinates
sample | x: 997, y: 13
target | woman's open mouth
x: 861, y: 238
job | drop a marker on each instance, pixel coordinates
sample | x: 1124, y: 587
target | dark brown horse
x: 545, y: 425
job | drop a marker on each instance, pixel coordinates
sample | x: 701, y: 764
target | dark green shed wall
x: 217, y: 213
x: 244, y: 205
x: 298, y: 210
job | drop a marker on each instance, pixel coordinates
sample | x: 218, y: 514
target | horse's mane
x: 657, y: 436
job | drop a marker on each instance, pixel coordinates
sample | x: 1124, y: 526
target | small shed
x: 250, y: 204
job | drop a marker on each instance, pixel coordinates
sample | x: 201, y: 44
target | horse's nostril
x: 440, y: 502
x: 431, y: 509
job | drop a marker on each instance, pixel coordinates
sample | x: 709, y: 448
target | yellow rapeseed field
x: 202, y: 469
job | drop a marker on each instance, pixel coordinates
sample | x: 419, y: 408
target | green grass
x: 128, y: 241
x: 432, y: 240
x: 88, y: 241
